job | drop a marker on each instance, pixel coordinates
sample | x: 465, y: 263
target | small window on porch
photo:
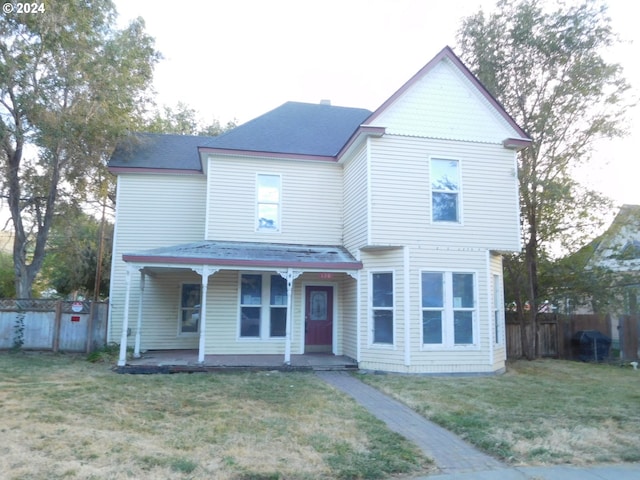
x: 190, y: 308
x: 263, y: 306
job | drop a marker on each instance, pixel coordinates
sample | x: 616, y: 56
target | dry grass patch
x: 541, y: 412
x: 63, y: 417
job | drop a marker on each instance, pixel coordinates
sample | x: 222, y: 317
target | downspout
x: 491, y: 322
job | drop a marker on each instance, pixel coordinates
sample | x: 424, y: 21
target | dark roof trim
x: 170, y: 171
x: 362, y: 130
x: 516, y: 143
x: 154, y: 259
x: 251, y: 153
x: 448, y: 53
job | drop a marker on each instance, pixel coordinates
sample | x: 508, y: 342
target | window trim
x: 371, y: 309
x: 278, y: 204
x: 448, y: 327
x: 181, y: 309
x: 264, y: 334
x: 458, y: 192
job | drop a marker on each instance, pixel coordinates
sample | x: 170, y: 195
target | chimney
x: 325, y: 101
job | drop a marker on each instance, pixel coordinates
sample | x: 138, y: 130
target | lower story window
x: 263, y: 306
x: 448, y: 308
x: 382, y: 307
x: 190, y: 308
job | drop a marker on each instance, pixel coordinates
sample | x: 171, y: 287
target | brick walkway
x: 450, y: 454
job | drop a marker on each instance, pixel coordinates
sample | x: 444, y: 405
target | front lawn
x: 63, y: 417
x: 540, y: 412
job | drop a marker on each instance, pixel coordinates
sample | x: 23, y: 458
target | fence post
x: 56, y: 326
x: 90, y: 328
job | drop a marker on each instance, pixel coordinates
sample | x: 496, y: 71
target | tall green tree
x: 71, y: 84
x: 184, y: 120
x: 71, y: 264
x: 544, y: 61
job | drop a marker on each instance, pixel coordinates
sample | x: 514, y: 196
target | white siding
x: 355, y: 201
x: 401, y: 197
x: 151, y: 211
x: 311, y: 200
x: 445, y: 104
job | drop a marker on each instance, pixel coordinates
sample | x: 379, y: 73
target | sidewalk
x: 456, y: 459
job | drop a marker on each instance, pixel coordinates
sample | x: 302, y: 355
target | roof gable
x: 619, y: 246
x: 445, y: 100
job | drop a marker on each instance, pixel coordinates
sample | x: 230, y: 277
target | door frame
x: 334, y: 327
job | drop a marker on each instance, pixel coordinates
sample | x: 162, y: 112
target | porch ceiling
x: 249, y: 254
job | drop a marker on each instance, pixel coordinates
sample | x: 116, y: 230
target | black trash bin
x: 592, y: 345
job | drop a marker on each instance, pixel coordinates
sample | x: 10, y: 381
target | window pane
x: 444, y: 175
x: 278, y: 290
x: 251, y: 290
x: 268, y: 188
x: 432, y: 290
x: 432, y: 327
x: 383, y: 290
x: 268, y: 216
x: 190, y: 305
x: 278, y: 322
x: 462, y: 290
x: 463, y: 328
x: 445, y: 207
x: 383, y: 326
x: 250, y: 322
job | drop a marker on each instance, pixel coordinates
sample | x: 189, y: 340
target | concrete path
x: 456, y: 459
x: 450, y: 453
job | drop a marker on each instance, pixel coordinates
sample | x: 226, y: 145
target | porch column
x: 289, y: 276
x: 204, y: 273
x: 136, y: 349
x: 122, y: 360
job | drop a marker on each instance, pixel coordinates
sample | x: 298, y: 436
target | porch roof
x: 249, y: 254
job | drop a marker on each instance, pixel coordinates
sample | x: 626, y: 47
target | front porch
x: 186, y: 361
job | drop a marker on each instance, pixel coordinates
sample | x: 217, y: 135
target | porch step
x: 195, y: 368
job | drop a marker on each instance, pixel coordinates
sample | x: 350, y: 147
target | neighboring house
x: 618, y: 250
x: 316, y: 228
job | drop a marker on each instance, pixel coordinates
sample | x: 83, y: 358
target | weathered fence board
x: 52, y: 325
x: 555, y: 334
x: 629, y: 329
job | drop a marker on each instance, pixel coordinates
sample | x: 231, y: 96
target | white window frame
x: 448, y: 311
x: 182, y: 309
x: 498, y: 309
x: 373, y: 308
x: 277, y: 204
x: 264, y: 333
x: 458, y: 191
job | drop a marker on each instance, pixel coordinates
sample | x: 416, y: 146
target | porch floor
x: 174, y: 361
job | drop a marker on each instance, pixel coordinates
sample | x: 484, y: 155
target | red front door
x: 318, y: 319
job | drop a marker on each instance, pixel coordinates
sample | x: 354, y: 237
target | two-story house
x: 316, y: 228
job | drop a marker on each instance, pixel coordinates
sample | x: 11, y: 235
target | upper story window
x: 445, y: 190
x: 268, y: 204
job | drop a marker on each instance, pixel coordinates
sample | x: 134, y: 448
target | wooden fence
x: 37, y: 324
x: 556, y: 333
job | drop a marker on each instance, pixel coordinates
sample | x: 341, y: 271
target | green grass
x: 541, y: 412
x: 64, y: 417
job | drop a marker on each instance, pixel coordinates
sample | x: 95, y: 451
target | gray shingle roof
x: 292, y: 128
x: 295, y: 128
x: 249, y: 254
x: 160, y: 151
